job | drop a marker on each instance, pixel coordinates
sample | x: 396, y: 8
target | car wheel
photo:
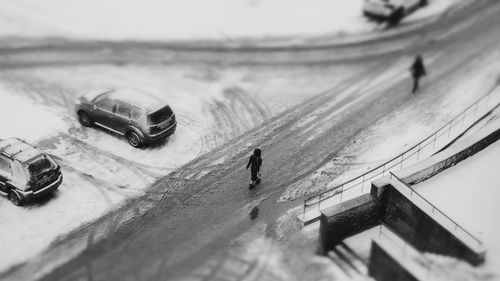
x: 15, y: 198
x: 84, y: 119
x: 134, y: 139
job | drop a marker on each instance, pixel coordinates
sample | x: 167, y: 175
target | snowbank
x: 166, y: 20
x: 23, y: 118
x: 473, y: 187
x: 31, y: 229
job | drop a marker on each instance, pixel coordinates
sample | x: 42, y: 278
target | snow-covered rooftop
x: 468, y: 192
x: 19, y: 149
x: 137, y: 97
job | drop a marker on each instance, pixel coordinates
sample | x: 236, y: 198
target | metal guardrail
x: 455, y: 227
x: 424, y: 148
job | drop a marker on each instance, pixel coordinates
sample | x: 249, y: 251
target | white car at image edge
x: 391, y: 10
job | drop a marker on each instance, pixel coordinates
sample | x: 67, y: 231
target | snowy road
x: 207, y: 201
x: 213, y: 104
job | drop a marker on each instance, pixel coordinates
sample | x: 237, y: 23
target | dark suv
x: 26, y: 172
x: 132, y: 113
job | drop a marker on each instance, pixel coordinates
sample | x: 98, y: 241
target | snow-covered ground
x: 400, y: 130
x: 255, y: 257
x: 213, y: 104
x: 189, y: 19
x: 102, y: 172
x: 31, y: 229
x: 24, y: 118
x: 469, y: 193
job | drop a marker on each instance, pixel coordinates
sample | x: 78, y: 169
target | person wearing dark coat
x: 417, y: 71
x: 254, y: 164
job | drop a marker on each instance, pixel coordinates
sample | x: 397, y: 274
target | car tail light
x: 154, y: 129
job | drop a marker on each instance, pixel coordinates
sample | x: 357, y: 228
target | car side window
x: 106, y: 105
x: 136, y: 113
x: 5, y: 166
x: 124, y: 111
x: 100, y: 97
x: 18, y: 174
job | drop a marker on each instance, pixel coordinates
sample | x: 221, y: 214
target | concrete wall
x: 385, y: 268
x: 448, y: 158
x: 422, y: 231
x: 347, y: 219
x: 385, y: 203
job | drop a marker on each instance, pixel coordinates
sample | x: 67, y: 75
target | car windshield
x: 100, y: 97
x: 160, y: 115
x: 40, y: 166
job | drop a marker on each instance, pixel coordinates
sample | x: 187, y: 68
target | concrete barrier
x: 448, y: 158
x: 346, y: 219
x: 422, y: 230
x: 410, y: 217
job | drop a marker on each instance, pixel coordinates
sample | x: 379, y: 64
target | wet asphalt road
x: 198, y: 219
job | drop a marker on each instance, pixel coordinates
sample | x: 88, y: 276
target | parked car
x: 26, y: 172
x: 135, y: 114
x: 391, y: 10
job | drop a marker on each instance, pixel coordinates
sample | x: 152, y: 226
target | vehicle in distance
x: 391, y: 10
x: 26, y: 172
x: 135, y: 114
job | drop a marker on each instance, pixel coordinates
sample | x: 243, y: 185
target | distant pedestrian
x: 254, y: 164
x: 417, y: 71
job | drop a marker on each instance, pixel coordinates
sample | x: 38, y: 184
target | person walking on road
x: 417, y: 71
x: 254, y: 164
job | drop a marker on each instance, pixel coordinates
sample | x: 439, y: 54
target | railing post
x: 434, y: 144
x: 418, y: 151
x: 475, y: 108
x: 363, y: 183
x: 304, y: 213
x: 404, y: 249
x: 449, y: 129
x: 383, y: 170
x: 341, y: 193
x: 319, y: 202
